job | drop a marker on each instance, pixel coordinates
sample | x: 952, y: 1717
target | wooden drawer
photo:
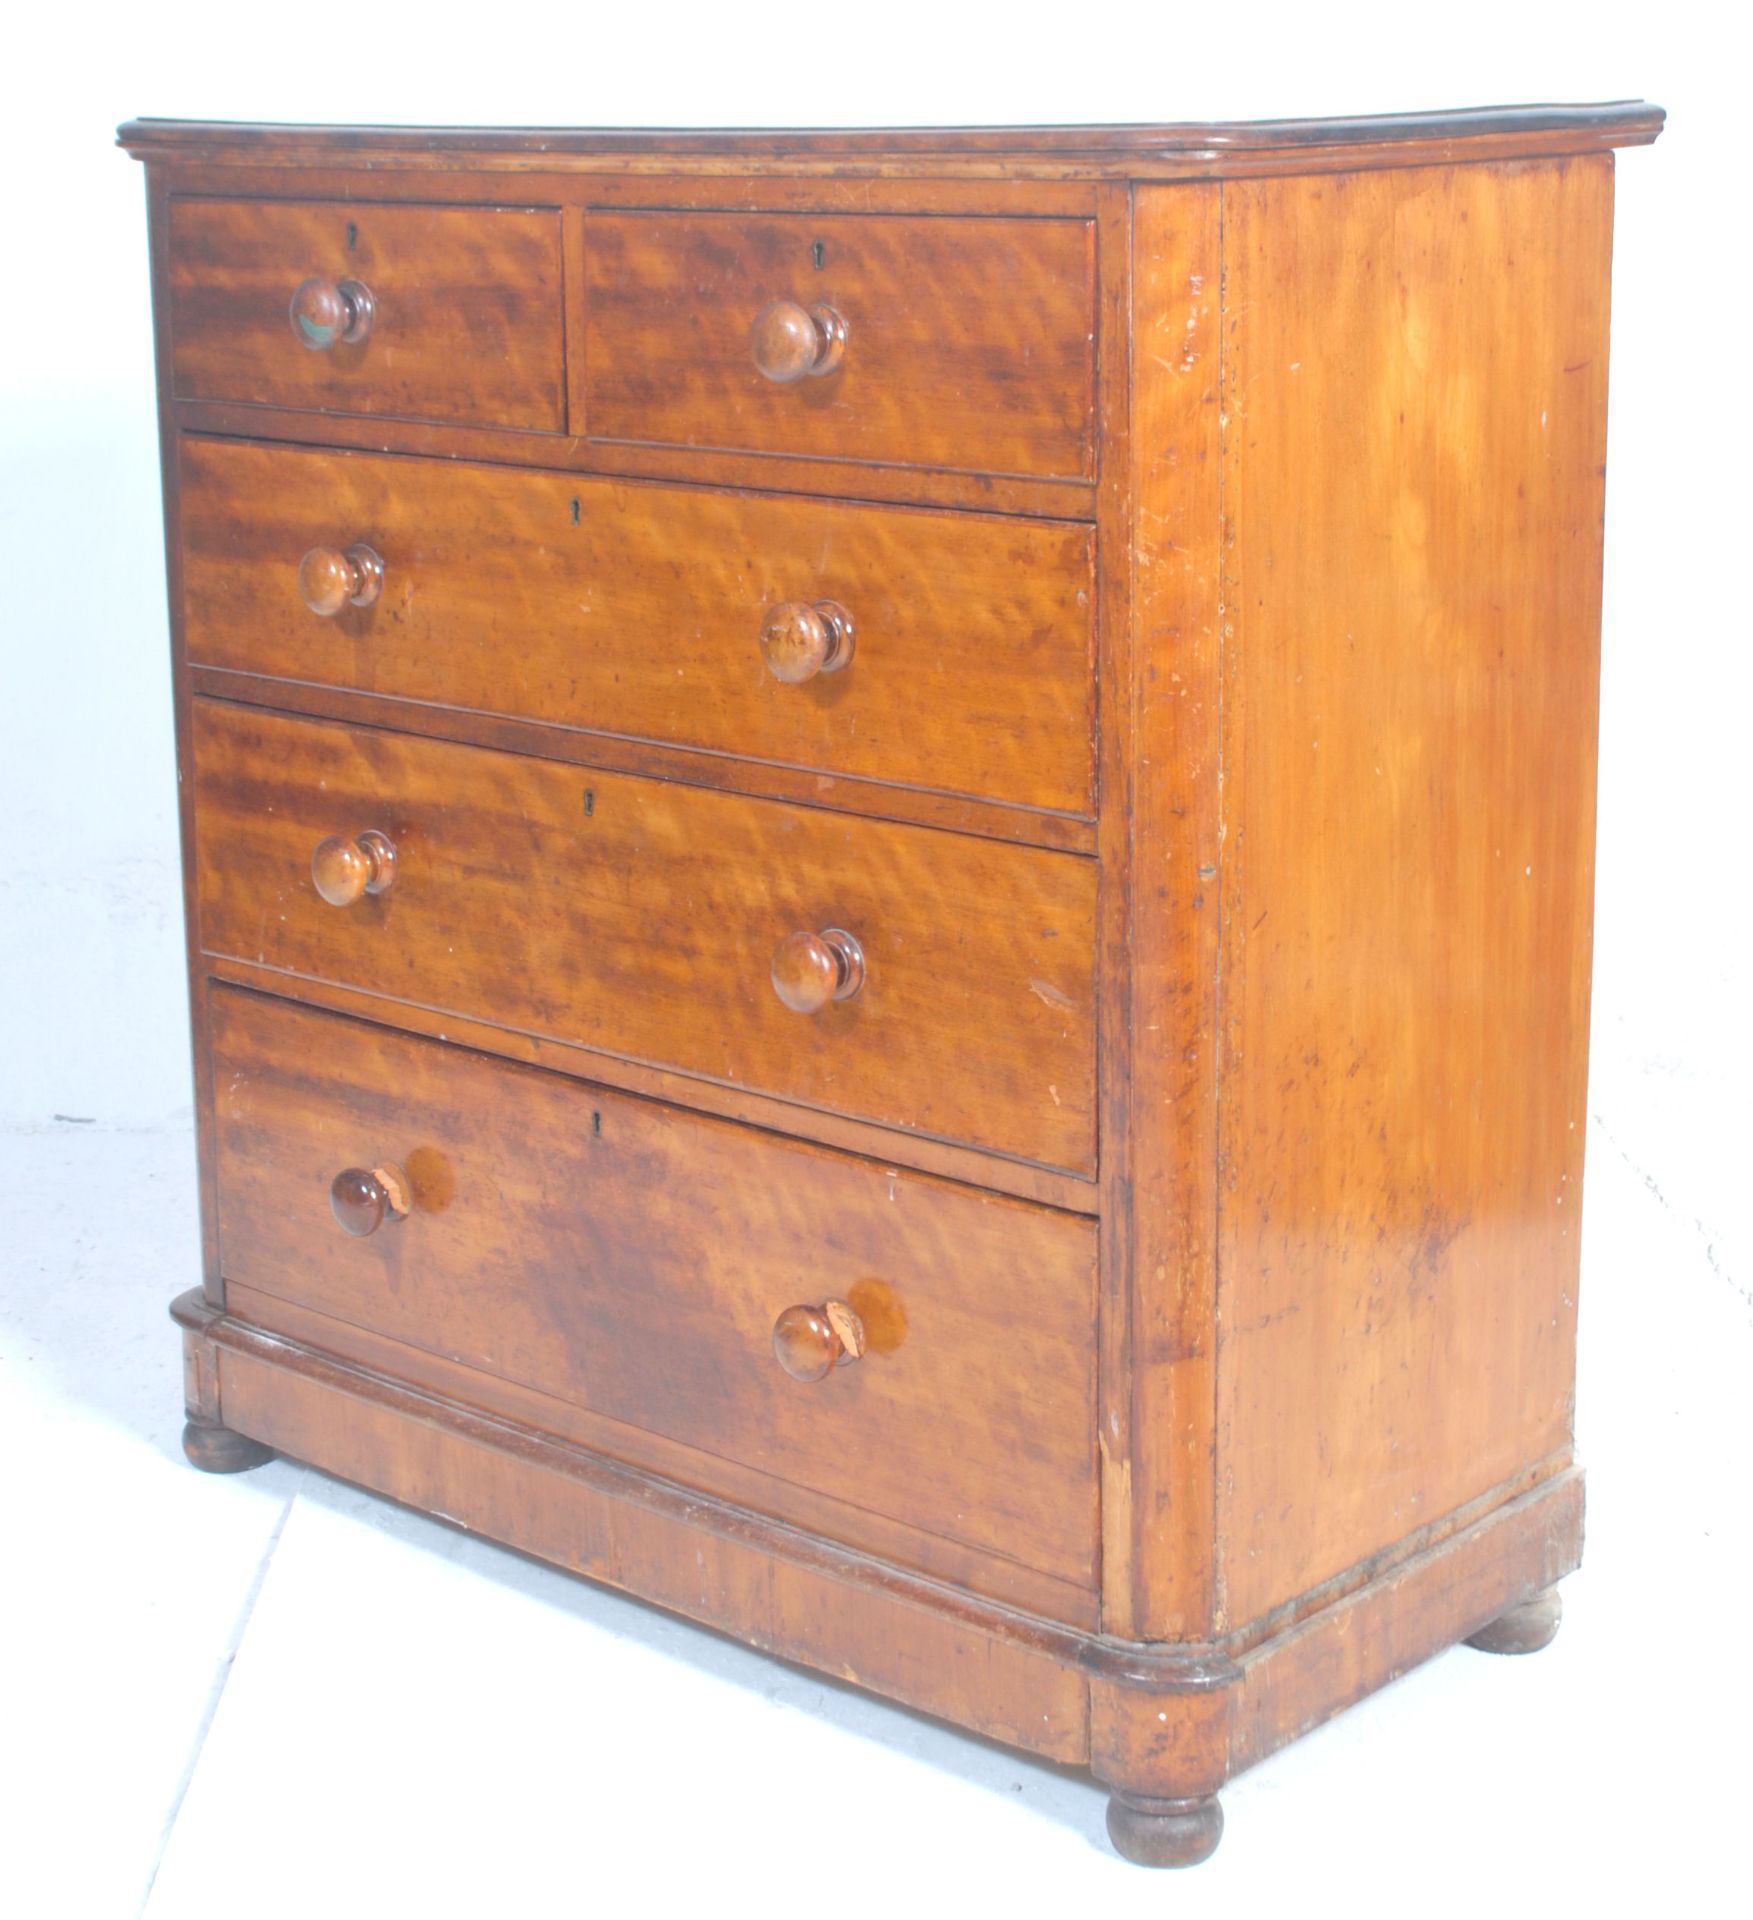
x: 631, y: 1258
x: 638, y: 610
x: 466, y: 323
x: 641, y: 917
x: 968, y: 342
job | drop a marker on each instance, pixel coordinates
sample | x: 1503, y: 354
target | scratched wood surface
x: 632, y: 1257
x: 640, y: 917
x: 1415, y: 375
x: 637, y: 610
x: 968, y: 340
x: 1161, y: 1584
x: 468, y: 321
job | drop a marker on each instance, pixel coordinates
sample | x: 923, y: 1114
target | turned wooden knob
x: 327, y: 313
x: 329, y: 579
x: 790, y: 342
x: 342, y: 871
x: 363, y: 1198
x: 799, y: 641
x: 810, y: 969
x: 810, y: 1342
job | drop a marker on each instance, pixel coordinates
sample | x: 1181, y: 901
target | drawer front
x: 968, y: 343
x: 466, y: 309
x: 639, y: 610
x: 641, y: 918
x: 632, y: 1258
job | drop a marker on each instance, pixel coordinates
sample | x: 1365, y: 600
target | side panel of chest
x: 1415, y: 381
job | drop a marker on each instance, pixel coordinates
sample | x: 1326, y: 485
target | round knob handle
x: 810, y: 1342
x: 790, y: 342
x: 799, y: 641
x: 363, y: 1198
x: 329, y: 579
x: 810, y: 969
x: 343, y: 870
x: 327, y: 313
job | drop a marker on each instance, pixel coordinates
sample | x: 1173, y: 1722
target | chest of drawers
x: 888, y: 847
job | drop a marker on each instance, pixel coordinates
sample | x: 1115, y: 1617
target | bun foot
x: 1524, y: 1629
x: 218, y: 1450
x: 1164, y: 1833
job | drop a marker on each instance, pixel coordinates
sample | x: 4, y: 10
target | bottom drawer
x: 630, y: 1259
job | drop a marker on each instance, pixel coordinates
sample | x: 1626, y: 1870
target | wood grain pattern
x: 1114, y: 929
x: 968, y: 339
x: 456, y: 179
x: 1415, y: 372
x: 1072, y: 1193
x: 1174, y: 854
x: 825, y: 1514
x: 634, y: 1257
x: 182, y: 710
x: 624, y: 459
x: 877, y: 800
x: 637, y: 610
x: 468, y: 312
x: 640, y: 918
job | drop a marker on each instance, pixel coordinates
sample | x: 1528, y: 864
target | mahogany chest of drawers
x: 888, y: 847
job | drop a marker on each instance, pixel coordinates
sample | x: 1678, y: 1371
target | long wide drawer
x: 642, y: 918
x: 465, y: 319
x: 955, y: 343
x: 631, y: 1258
x: 639, y: 610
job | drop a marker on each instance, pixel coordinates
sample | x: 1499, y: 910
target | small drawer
x: 936, y: 982
x: 634, y: 1260
x: 962, y: 344
x: 418, y: 313
x: 953, y: 650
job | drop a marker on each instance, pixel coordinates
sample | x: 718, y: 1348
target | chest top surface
x: 1187, y: 149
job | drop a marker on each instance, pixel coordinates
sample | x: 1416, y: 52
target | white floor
x: 271, y: 1694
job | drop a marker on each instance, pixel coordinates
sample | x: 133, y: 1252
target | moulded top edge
x: 1102, y: 149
